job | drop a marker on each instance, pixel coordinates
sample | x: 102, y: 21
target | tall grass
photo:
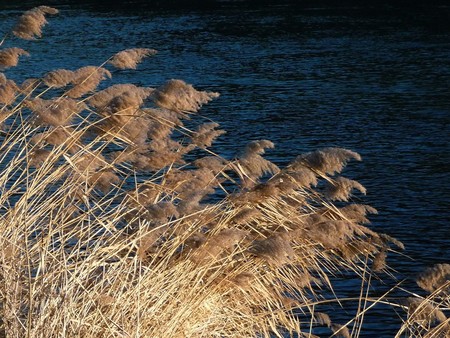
x: 117, y: 220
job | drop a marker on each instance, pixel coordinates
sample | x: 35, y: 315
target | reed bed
x: 117, y: 220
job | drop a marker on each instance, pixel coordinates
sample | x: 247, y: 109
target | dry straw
x: 117, y: 221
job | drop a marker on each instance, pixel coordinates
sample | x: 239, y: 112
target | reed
x: 107, y: 230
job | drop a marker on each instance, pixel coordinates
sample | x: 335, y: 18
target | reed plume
x: 327, y: 160
x: 129, y: 58
x: 104, y: 97
x: 434, y: 277
x: 424, y: 312
x: 253, y: 164
x: 179, y: 96
x: 31, y: 22
x: 340, y: 188
x: 86, y: 79
x: 55, y: 112
x: 275, y: 250
x: 8, y: 91
x: 206, y: 134
x: 29, y: 85
x: 9, y: 57
x: 58, y: 78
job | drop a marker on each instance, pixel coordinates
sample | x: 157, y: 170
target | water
x: 372, y: 79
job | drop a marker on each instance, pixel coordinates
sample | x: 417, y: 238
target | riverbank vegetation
x: 118, y: 220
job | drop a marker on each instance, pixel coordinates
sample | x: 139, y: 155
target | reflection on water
x: 372, y: 80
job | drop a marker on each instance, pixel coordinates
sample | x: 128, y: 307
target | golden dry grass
x: 106, y: 231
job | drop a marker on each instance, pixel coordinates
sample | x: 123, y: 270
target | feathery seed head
x: 340, y: 188
x: 9, y: 57
x: 103, y: 98
x: 179, y: 96
x: 275, y: 250
x: 86, y: 79
x: 8, y: 91
x: 129, y: 58
x: 206, y: 134
x: 327, y: 160
x: 31, y: 22
x: 434, y: 277
x: 58, y: 78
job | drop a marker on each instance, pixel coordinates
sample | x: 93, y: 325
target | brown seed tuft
x: 105, y: 300
x: 217, y: 244
x: 162, y: 211
x: 357, y: 212
x: 148, y: 242
x: 275, y: 250
x: 243, y: 280
x: 103, y: 98
x: 8, y: 91
x: 422, y: 311
x: 38, y: 157
x: 9, y: 57
x: 31, y: 22
x: 322, y: 318
x: 303, y: 177
x: 331, y: 234
x: 86, y: 79
x: 340, y: 189
x: 388, y: 239
x: 104, y: 180
x: 129, y: 58
x: 379, y: 261
x: 29, y: 85
x: 340, y: 330
x: 58, y: 78
x: 253, y: 164
x: 55, y: 112
x: 434, y: 277
x: 245, y: 215
x: 206, y: 134
x: 213, y: 163
x: 179, y: 96
x: 56, y: 136
x: 327, y: 160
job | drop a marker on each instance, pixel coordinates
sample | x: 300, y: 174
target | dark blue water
x: 372, y: 79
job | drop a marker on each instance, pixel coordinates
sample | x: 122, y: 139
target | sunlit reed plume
x: 8, y: 91
x: 31, y: 22
x: 9, y: 57
x: 434, y: 277
x: 129, y: 58
x: 179, y: 96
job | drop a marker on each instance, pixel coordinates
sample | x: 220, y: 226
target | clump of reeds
x: 429, y: 316
x: 106, y: 229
